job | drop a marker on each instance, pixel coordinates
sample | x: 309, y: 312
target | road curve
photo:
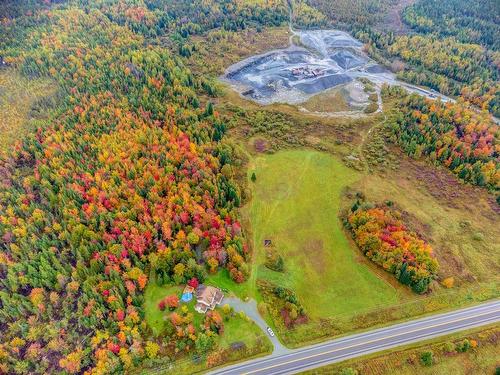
x: 250, y: 309
x: 369, y: 342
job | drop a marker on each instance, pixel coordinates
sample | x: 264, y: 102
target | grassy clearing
x: 223, y: 280
x: 240, y: 329
x: 296, y: 201
x: 406, y: 361
x: 152, y: 296
x: 459, y: 221
x: 328, y: 101
x: 17, y: 96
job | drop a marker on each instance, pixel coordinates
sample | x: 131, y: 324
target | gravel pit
x: 324, y: 59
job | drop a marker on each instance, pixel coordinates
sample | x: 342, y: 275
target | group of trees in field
x: 381, y: 234
x: 184, y: 336
x: 451, y: 134
x: 127, y: 182
x: 282, y: 303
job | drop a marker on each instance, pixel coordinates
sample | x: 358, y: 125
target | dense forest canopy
x: 352, y: 14
x: 451, y: 45
x: 127, y: 182
x: 475, y: 22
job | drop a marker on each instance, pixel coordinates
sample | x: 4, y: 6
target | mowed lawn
x: 152, y: 297
x: 295, y: 204
x: 236, y: 329
x: 243, y: 330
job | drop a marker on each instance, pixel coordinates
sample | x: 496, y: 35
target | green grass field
x: 152, y: 296
x: 223, y: 280
x: 296, y: 201
x: 238, y: 329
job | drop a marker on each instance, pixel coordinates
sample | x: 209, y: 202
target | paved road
x: 250, y: 309
x: 364, y: 343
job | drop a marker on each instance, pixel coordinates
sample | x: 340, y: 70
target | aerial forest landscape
x: 250, y: 187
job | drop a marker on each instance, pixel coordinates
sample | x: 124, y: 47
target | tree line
x: 384, y: 238
x: 127, y: 182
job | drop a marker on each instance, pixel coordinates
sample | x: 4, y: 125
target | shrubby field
x: 23, y: 104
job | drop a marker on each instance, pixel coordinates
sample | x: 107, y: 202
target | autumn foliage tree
x: 384, y: 238
x: 172, y: 301
x: 194, y: 283
x: 451, y: 134
x: 122, y: 183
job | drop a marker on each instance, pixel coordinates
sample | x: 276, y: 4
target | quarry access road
x: 347, y: 347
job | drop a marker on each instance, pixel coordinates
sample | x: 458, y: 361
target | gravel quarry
x: 321, y: 60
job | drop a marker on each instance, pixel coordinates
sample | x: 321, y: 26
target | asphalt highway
x: 360, y: 344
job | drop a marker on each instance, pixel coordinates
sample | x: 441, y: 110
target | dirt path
x: 393, y: 21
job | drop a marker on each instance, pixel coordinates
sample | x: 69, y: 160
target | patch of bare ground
x: 329, y: 101
x: 260, y: 145
x: 315, y: 246
x: 447, y: 188
x: 393, y: 20
x: 314, y: 140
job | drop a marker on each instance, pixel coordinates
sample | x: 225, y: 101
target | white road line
x: 422, y: 324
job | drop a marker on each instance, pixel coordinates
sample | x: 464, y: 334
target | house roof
x: 201, y: 308
x: 209, y: 296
